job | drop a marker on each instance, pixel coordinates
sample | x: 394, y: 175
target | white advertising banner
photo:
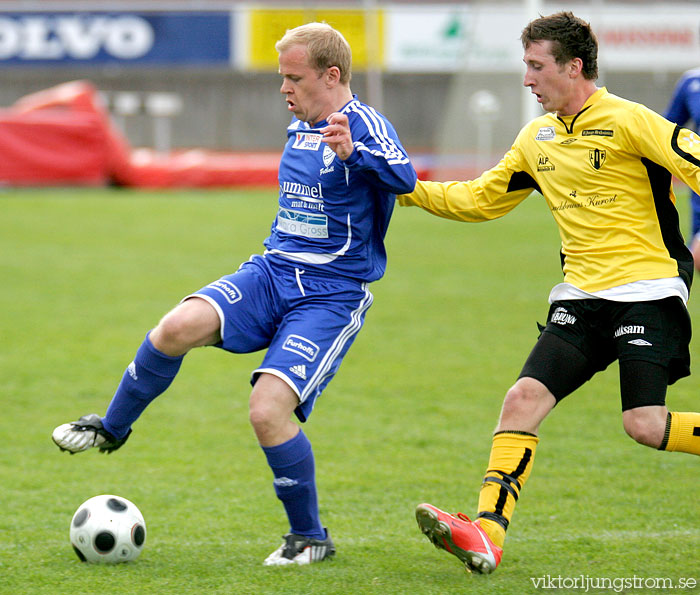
x: 447, y: 38
x: 657, y: 37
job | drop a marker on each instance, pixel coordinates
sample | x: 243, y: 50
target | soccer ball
x: 107, y: 529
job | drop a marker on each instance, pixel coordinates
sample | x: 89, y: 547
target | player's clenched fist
x: 337, y: 135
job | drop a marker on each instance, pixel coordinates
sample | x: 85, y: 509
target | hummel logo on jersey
x: 299, y: 370
x: 640, y: 342
x: 131, y: 368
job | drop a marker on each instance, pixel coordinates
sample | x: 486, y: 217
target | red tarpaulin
x: 64, y: 136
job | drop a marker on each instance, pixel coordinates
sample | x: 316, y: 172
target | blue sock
x: 292, y: 463
x: 145, y: 378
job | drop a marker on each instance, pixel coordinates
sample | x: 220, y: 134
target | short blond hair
x: 326, y: 47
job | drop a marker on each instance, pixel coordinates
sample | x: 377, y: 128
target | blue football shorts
x: 306, y: 320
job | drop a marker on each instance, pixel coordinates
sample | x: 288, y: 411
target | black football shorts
x: 583, y: 337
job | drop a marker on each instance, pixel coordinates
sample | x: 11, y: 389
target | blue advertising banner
x: 133, y: 38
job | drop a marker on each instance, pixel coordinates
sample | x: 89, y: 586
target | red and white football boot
x: 460, y: 536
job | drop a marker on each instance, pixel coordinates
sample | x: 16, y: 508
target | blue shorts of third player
x: 306, y: 320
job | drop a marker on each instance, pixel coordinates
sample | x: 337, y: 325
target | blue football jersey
x: 683, y: 108
x: 685, y: 103
x: 333, y: 214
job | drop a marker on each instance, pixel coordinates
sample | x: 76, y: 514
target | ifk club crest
x: 596, y: 157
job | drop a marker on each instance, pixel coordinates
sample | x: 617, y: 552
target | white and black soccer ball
x: 107, y: 529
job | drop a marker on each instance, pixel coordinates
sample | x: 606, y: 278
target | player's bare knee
x: 173, y: 333
x: 264, y: 418
x: 259, y: 417
x: 643, y: 429
x: 519, y: 399
x: 526, y: 404
x: 272, y: 403
x: 193, y: 323
x: 512, y: 402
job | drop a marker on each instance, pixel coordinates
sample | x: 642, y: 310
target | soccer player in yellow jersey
x: 604, y: 166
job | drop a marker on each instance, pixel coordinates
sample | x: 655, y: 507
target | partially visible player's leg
x: 646, y: 425
x: 554, y: 369
x: 288, y: 452
x: 290, y: 457
x: 645, y: 417
x: 682, y: 432
x: 479, y: 543
x: 192, y: 323
x: 643, y: 387
x: 272, y: 403
x: 652, y: 357
x: 321, y: 322
x: 235, y: 304
x: 512, y: 456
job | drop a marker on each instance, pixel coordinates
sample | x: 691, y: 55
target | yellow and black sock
x: 510, y: 463
x: 682, y: 433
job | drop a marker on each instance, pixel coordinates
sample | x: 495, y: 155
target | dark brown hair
x: 571, y: 38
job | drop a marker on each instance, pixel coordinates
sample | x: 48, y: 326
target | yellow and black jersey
x: 606, y: 175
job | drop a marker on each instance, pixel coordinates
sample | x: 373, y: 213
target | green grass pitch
x: 85, y: 273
